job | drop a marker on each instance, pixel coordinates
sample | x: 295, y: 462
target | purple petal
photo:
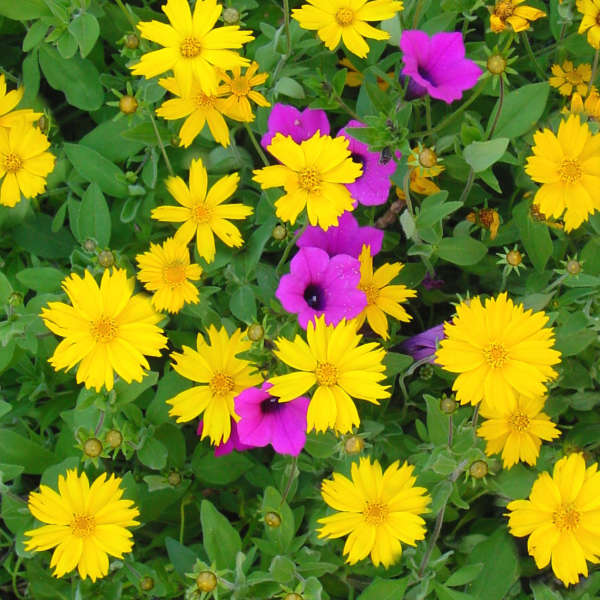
x: 288, y: 120
x: 289, y: 427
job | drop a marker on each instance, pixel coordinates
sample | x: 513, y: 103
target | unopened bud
x: 43, y: 124
x: 128, y: 104
x: 175, y: 141
x: 106, y: 259
x: 279, y: 232
x: 132, y: 41
x: 478, y: 469
x: 206, y: 581
x: 426, y: 372
x: 514, y: 258
x: 146, y: 583
x: 92, y: 447
x: 231, y: 16
x: 448, y: 405
x: 574, y: 267
x: 354, y: 445
x: 292, y: 596
x: 15, y: 299
x: 114, y: 438
x: 89, y: 245
x: 255, y: 332
x: 272, y: 519
x: 174, y: 478
x: 496, y: 64
x: 428, y: 158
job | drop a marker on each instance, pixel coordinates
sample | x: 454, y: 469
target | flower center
x: 376, y: 513
x: 371, y: 292
x: 201, y: 100
x: 309, y: 179
x: 201, y: 213
x: 519, y: 421
x: 240, y: 86
x: 326, y: 374
x: 344, y: 16
x: 221, y: 384
x: 569, y: 171
x: 573, y: 77
x: 504, y: 9
x: 190, y: 47
x: 174, y: 273
x: 428, y: 158
x: 269, y: 405
x: 12, y: 162
x: 104, y: 330
x: 566, y: 518
x: 83, y: 526
x: 495, y: 355
x: 314, y: 296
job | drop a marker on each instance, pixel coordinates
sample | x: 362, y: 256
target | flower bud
x: 354, y: 444
x: 89, y: 245
x: 279, y: 232
x: 43, y: 123
x: 255, y: 332
x: 573, y: 267
x: 132, y: 41
x: 496, y: 64
x: 428, y: 158
x: 114, y: 438
x: 175, y: 141
x: 478, y: 469
x: 514, y: 258
x: 292, y: 596
x: 146, y: 583
x: 15, y: 299
x: 448, y: 405
x: 106, y: 259
x: 426, y: 372
x: 174, y: 478
x: 92, y: 447
x: 272, y: 519
x: 231, y: 16
x: 206, y: 581
x: 128, y: 104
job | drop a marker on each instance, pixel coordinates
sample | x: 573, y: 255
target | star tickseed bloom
x: 591, y: 21
x: 85, y: 523
x: 561, y: 518
x: 238, y: 91
x: 569, y: 79
x: 513, y: 13
x: 8, y: 101
x: 376, y: 511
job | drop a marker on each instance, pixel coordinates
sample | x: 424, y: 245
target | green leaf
x: 283, y: 570
x: 85, y: 29
x: 220, y: 470
x: 434, y: 208
x: 23, y: 10
x: 437, y: 422
x: 220, y: 539
x: 463, y: 251
x: 36, y: 236
x: 521, y: 110
x: 464, y: 575
x: 289, y: 87
x: 153, y: 454
x: 243, y: 304
x: 35, y: 35
x: 181, y: 558
x: 107, y: 139
x: 385, y: 589
x: 94, y: 216
x: 396, y: 363
x: 534, y: 236
x: 543, y: 592
x: 443, y: 593
x: 481, y: 155
x: 19, y: 450
x: 41, y: 279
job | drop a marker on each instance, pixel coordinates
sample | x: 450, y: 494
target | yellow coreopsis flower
x: 341, y: 369
x: 238, y: 91
x: 193, y: 47
x: 499, y: 350
x: 313, y: 174
x: 514, y: 13
x: 568, y: 78
x: 8, y: 101
x: 346, y: 20
x: 591, y: 21
x: 376, y: 511
x: 221, y: 375
x: 382, y: 298
x: 516, y: 428
x: 561, y: 518
x: 166, y: 271
x: 84, y: 523
x: 567, y: 167
x: 106, y: 328
x: 203, y: 213
x: 590, y: 106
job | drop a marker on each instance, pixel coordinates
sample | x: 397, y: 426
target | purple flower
x: 437, y: 65
x: 424, y: 344
x: 431, y: 283
x: 373, y: 186
x: 318, y: 284
x: 265, y: 420
x: 346, y: 238
x: 288, y: 120
x: 233, y: 443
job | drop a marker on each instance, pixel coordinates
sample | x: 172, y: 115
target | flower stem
x: 290, y: 479
x: 500, y: 104
x: 288, y: 249
x: 286, y: 24
x: 417, y: 13
x: 468, y: 186
x: 181, y: 521
x: 531, y: 55
x: 428, y: 115
x: 256, y: 145
x: 160, y: 143
x: 594, y: 70
x: 127, y: 14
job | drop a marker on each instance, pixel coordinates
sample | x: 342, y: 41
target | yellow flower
x: 516, y: 428
x: 488, y: 218
x: 8, y: 101
x: 499, y: 350
x: 382, y: 298
x: 239, y: 92
x: 203, y: 214
x: 346, y: 19
x: 376, y: 511
x: 354, y: 78
x: 569, y: 78
x: 340, y: 368
x: 85, y: 523
x: 221, y: 375
x: 561, y: 518
x: 192, y: 45
x: 422, y: 185
x: 106, y: 329
x: 511, y: 12
x: 24, y: 162
x: 567, y: 167
x: 424, y: 161
x: 199, y: 108
x: 591, y: 105
x: 166, y: 271
x: 590, y: 9
x: 313, y: 175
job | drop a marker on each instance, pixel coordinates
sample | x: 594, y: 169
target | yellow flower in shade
x: 346, y: 20
x: 382, y: 298
x: 377, y: 511
x: 422, y: 185
x: 8, y: 101
x: 514, y: 13
x: 84, y: 523
x: 499, y: 350
x: 424, y: 161
x: 24, y: 162
x: 198, y: 109
x: 106, y: 329
x: 341, y: 369
x: 239, y: 92
x: 567, y: 167
x: 569, y: 78
x: 313, y: 175
x: 166, y: 271
x: 203, y: 214
x: 591, y: 21
x: 221, y: 375
x: 354, y: 78
x: 561, y: 518
x: 516, y: 428
x: 193, y: 47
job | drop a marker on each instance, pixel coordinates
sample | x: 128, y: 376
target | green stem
x: 290, y: 479
x: 594, y: 70
x: 468, y: 186
x: 417, y: 13
x: 181, y: 521
x: 337, y: 98
x: 288, y: 249
x: 428, y: 115
x: 286, y: 24
x: 127, y: 14
x: 256, y: 145
x: 160, y: 144
x: 531, y: 55
x: 500, y: 104
x: 475, y: 416
x: 14, y: 579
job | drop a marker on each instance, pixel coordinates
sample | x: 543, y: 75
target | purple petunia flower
x: 431, y: 283
x: 233, y: 443
x: 437, y: 65
x: 424, y: 344
x: 373, y: 186
x: 265, y: 420
x: 319, y: 285
x: 288, y: 120
x: 346, y: 238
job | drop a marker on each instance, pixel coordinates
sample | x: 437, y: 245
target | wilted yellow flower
x: 513, y: 13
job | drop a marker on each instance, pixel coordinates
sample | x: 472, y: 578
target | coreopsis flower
x: 419, y: 185
x: 84, y: 523
x: 221, y: 376
x: 346, y: 20
x: 437, y: 65
x: 313, y: 175
x: 355, y: 78
x: 590, y: 106
x: 238, y: 91
x: 382, y: 298
x: 300, y: 125
x: 424, y: 161
x: 166, y: 271
x: 24, y: 162
x: 499, y: 350
x: 566, y: 166
x: 107, y: 329
x: 516, y: 428
x: 514, y: 13
x: 8, y: 101
x: 560, y: 517
x: 424, y: 344
x: 376, y: 510
x: 203, y: 214
x: 193, y: 47
x: 488, y: 218
x: 590, y: 9
x: 568, y: 78
x: 339, y: 366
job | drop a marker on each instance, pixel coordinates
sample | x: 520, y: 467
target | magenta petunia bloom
x: 437, y: 65
x: 347, y: 238
x: 288, y: 120
x: 265, y: 420
x: 319, y: 285
x: 373, y: 186
x: 424, y: 344
x: 233, y: 443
